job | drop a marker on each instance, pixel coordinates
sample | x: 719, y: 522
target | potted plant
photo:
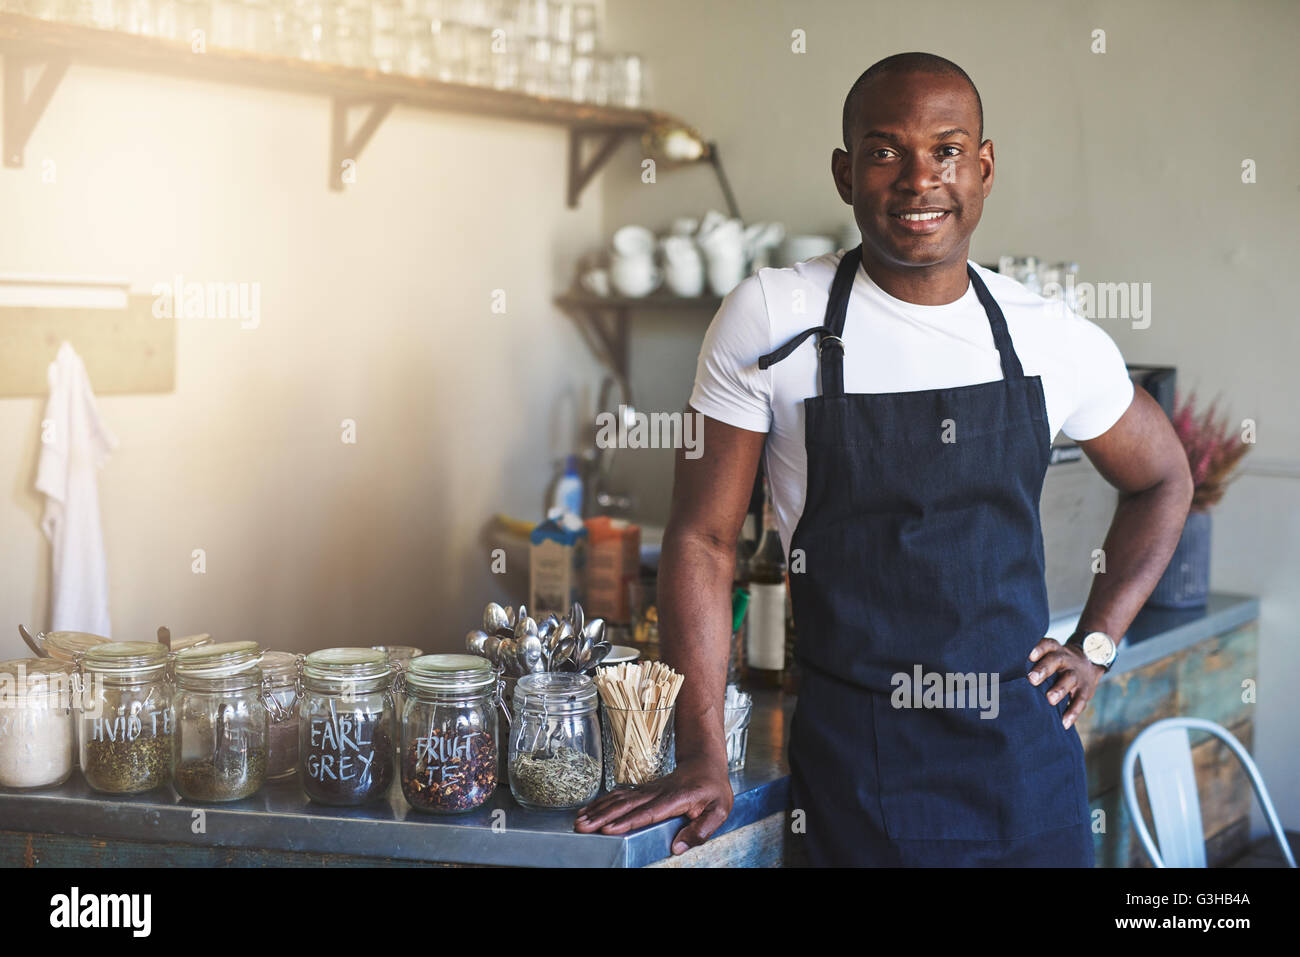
x: 1214, y: 450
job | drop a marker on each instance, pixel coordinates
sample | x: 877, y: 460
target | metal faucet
x: 598, y: 462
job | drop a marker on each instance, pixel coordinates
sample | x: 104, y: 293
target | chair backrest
x: 1170, y: 778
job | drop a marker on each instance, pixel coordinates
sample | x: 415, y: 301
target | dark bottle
x: 745, y: 548
x: 765, y: 647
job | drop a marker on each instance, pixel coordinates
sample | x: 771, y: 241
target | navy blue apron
x: 920, y: 546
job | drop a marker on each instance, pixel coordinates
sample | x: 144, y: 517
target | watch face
x: 1098, y: 647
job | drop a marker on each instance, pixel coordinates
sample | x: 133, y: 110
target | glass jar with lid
x: 221, y: 722
x: 449, y: 733
x: 555, y: 755
x: 346, y: 726
x: 280, y: 682
x: 37, y: 724
x: 69, y: 646
x: 126, y: 719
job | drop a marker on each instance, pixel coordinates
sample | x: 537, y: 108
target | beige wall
x: 1127, y: 162
x: 375, y: 307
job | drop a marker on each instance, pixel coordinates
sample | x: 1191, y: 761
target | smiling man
x: 906, y: 437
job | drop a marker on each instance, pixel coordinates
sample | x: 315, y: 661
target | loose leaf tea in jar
x: 221, y: 722
x: 346, y: 725
x: 449, y: 733
x: 126, y: 717
x: 37, y: 726
x: 555, y: 744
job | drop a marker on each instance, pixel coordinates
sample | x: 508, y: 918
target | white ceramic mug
x: 683, y: 266
x: 633, y: 241
x: 726, y: 270
x: 634, y: 276
x: 595, y: 281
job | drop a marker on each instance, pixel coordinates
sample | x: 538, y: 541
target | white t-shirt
x: 892, y: 346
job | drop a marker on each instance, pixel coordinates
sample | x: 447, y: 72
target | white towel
x: 75, y: 443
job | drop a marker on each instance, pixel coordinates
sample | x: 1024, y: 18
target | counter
x: 73, y: 826
x: 1189, y: 662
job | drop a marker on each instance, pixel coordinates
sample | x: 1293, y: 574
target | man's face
x: 917, y: 174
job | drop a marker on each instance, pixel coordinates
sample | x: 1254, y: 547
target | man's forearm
x: 1142, y: 537
x: 695, y: 637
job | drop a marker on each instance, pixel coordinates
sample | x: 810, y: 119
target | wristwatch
x: 1098, y: 647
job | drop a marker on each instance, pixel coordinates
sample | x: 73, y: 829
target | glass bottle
x: 126, y: 719
x: 765, y: 650
x: 745, y: 548
x: 346, y: 724
x: 37, y: 725
x: 280, y: 682
x: 221, y: 722
x: 555, y: 747
x: 449, y: 733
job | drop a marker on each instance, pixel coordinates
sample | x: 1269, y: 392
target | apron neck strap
x: 1011, y: 368
x: 831, y: 346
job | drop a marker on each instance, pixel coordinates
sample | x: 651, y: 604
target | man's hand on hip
x: 1076, y: 675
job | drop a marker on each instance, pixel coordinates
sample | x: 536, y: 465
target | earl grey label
x: 341, y: 748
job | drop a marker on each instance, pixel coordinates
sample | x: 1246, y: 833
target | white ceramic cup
x: 797, y: 249
x: 683, y: 266
x: 633, y: 241
x: 595, y: 281
x: 726, y: 270
x: 634, y: 276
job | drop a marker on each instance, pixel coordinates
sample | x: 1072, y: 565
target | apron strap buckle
x: 828, y: 339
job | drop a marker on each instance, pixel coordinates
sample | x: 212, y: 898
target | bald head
x: 926, y: 63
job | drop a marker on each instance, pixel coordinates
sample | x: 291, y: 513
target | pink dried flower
x: 1214, y: 450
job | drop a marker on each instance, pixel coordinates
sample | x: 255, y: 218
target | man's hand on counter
x: 699, y: 789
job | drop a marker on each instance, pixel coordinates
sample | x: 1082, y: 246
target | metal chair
x: 1166, y: 755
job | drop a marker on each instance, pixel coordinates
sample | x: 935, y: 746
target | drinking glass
x: 449, y: 51
x: 478, y: 55
x: 639, y: 746
x: 736, y: 725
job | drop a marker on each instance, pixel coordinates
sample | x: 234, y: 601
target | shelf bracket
x: 23, y: 111
x: 345, y: 150
x: 579, y: 174
x: 604, y: 329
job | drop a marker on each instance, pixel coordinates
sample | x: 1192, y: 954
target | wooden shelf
x: 602, y: 320
x: 658, y: 300
x: 27, y: 41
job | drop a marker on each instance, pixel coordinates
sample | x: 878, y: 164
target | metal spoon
x: 476, y: 641
x: 37, y: 644
x: 595, y: 630
x: 506, y: 653
x: 583, y: 652
x: 495, y: 618
x: 563, y: 651
x: 531, y: 652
